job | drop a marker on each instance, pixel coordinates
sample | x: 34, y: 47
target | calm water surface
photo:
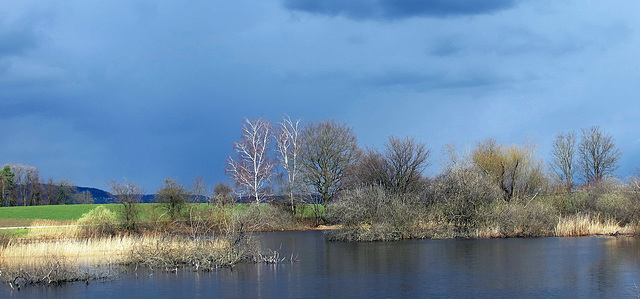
x: 541, y: 267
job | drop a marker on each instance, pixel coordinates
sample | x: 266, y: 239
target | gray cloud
x: 16, y: 40
x: 20, y: 32
x: 146, y: 90
x: 425, y: 81
x: 393, y: 10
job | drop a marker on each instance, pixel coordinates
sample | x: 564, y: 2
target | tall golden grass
x: 86, y: 252
x: 55, y: 261
x: 50, y: 229
x: 571, y: 226
x: 60, y: 254
x: 586, y: 225
x: 127, y: 249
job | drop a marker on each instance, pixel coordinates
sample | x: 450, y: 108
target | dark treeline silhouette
x: 21, y: 185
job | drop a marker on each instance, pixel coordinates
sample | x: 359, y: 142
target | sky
x: 137, y: 90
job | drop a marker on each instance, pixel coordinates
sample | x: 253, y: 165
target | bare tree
x: 328, y: 149
x: 51, y: 192
x: 371, y: 169
x: 562, y: 159
x: 252, y: 169
x: 598, y: 154
x: 288, y: 142
x: 399, y: 170
x: 451, y: 158
x: 26, y: 180
x: 130, y: 195
x: 200, y: 190
x: 83, y: 197
x: 407, y: 159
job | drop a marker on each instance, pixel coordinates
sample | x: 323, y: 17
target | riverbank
x: 454, y: 268
x: 50, y: 258
x: 208, y: 237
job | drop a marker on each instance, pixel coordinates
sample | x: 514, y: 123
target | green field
x: 57, y: 212
x: 74, y: 212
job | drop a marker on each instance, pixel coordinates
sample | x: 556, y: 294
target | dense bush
x: 523, y: 219
x: 461, y: 195
x: 98, y: 222
x: 607, y: 199
x: 174, y: 197
x: 616, y: 206
x: 373, y: 214
x: 265, y: 217
x: 223, y: 193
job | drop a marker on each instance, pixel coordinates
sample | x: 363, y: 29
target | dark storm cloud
x: 143, y: 90
x: 392, y: 10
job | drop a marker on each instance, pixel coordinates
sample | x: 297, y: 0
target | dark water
x: 542, y: 267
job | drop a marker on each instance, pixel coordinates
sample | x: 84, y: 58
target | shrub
x: 264, y: 217
x: 615, y: 206
x: 374, y: 214
x: 523, y: 219
x: 461, y: 194
x: 208, y: 220
x: 98, y: 222
x: 223, y: 193
x: 606, y: 199
x: 174, y: 197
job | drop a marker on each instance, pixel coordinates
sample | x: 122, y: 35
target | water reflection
x: 544, y: 267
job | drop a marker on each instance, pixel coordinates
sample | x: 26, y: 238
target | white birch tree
x: 288, y: 142
x: 252, y: 169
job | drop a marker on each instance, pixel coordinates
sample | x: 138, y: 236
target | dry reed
x: 55, y: 261
x: 51, y: 230
x: 28, y: 261
x: 170, y: 252
x: 585, y: 225
x: 489, y: 232
x: 86, y: 252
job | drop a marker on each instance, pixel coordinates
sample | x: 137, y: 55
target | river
x: 536, y: 267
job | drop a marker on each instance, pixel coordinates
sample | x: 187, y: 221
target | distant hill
x: 99, y: 196
x: 104, y: 197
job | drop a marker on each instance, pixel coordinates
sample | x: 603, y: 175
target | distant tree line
x: 21, y: 185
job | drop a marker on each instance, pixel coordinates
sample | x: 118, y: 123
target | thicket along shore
x: 321, y: 177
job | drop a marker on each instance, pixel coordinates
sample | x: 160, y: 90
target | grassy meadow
x: 23, y: 216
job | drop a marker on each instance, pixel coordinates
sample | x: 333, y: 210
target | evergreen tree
x: 6, y: 185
